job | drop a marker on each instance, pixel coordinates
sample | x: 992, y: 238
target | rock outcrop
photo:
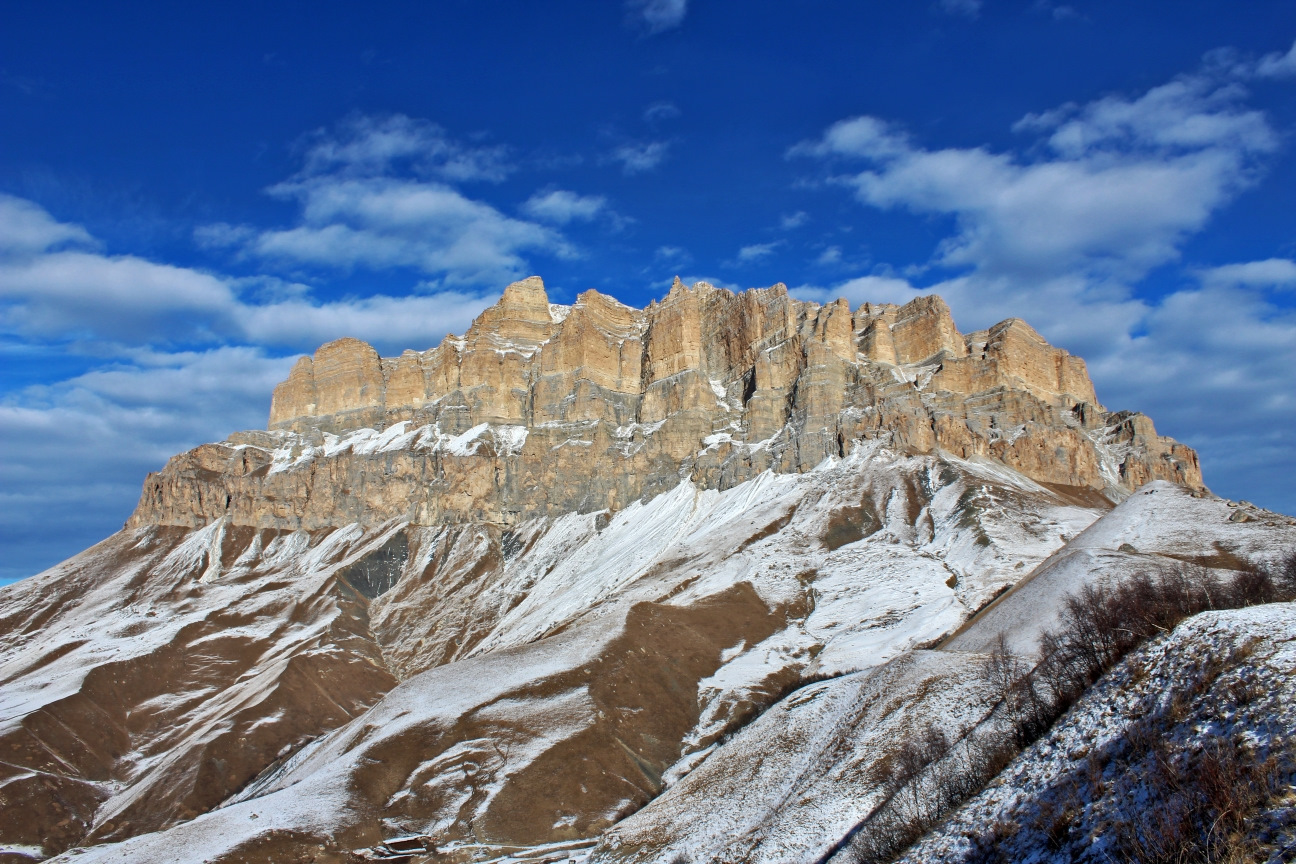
x: 542, y: 409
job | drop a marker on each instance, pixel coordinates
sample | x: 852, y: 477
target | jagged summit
x: 541, y: 409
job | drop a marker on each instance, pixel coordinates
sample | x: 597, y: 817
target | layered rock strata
x: 542, y: 409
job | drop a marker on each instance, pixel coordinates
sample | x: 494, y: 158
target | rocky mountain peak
x: 543, y: 409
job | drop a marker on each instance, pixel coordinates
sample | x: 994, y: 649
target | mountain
x: 588, y: 581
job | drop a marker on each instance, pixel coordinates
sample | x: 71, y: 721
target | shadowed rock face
x: 593, y: 406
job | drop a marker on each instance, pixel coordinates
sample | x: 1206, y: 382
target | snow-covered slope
x: 1220, y: 687
x: 249, y: 694
x: 836, y: 570
x: 1157, y: 526
x: 793, y: 784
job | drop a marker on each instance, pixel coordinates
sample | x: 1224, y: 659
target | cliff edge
x: 542, y: 409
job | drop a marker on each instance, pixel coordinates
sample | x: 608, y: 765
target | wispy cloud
x: 1270, y: 273
x: 757, y: 252
x: 964, y: 8
x: 639, y: 157
x: 672, y: 255
x: 656, y: 16
x: 1124, y: 181
x: 378, y: 193
x: 560, y: 206
x: 364, y: 145
x: 1278, y: 65
x: 659, y: 111
x: 829, y: 257
x: 789, y: 221
x: 1058, y: 11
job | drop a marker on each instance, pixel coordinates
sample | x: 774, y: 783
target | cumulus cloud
x: 26, y: 228
x: 561, y: 206
x: 379, y: 193
x: 636, y: 158
x: 81, y: 295
x: 77, y: 451
x: 656, y: 16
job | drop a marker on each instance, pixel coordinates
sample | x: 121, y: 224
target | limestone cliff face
x: 542, y: 409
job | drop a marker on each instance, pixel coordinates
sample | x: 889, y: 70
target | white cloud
x: 139, y: 403
x: 829, y: 257
x: 757, y: 252
x: 88, y: 295
x: 367, y: 145
x: 1270, y: 273
x: 1277, y: 65
x: 64, y: 295
x: 861, y: 289
x: 561, y: 206
x: 966, y: 8
x: 26, y: 229
x: 1120, y: 184
x: 659, y: 111
x: 636, y: 158
x: 657, y: 15
x: 384, y: 223
x: 376, y: 193
x: 673, y: 255
x: 77, y: 451
x: 788, y: 221
x: 391, y: 324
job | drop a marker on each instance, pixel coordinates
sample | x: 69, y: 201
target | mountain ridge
x: 622, y: 403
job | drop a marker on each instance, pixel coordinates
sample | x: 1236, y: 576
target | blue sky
x: 191, y: 196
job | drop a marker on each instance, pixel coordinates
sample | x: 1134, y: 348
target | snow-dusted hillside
x: 550, y: 680
x: 796, y: 781
x: 1220, y: 687
x: 833, y: 571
